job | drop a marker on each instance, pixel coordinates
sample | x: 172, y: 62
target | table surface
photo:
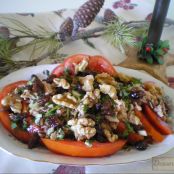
x: 13, y: 164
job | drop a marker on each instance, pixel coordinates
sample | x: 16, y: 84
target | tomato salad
x: 85, y: 108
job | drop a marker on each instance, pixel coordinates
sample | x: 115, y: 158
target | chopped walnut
x: 108, y: 89
x: 82, y: 65
x: 112, y: 118
x: 89, y: 99
x: 61, y: 83
x: 110, y: 136
x: 83, y: 128
x: 87, y: 82
x: 105, y: 78
x: 153, y: 89
x: 133, y: 118
x: 49, y: 89
x: 27, y: 95
x: 105, y: 125
x: 124, y: 78
x: 66, y: 100
x: 12, y: 102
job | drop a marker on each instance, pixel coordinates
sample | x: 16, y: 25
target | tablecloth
x: 52, y: 20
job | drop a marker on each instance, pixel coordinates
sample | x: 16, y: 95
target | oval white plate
x: 12, y: 146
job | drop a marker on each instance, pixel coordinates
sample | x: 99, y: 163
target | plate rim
x: 89, y: 164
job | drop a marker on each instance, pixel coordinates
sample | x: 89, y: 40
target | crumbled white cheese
x: 87, y: 82
x: 82, y: 128
x: 138, y: 107
x: 37, y: 118
x: 81, y: 66
x: 108, y: 89
x: 50, y: 131
x: 119, y: 104
x: 159, y: 111
x: 134, y: 119
x: 142, y: 132
x: 34, y: 108
x: 61, y: 83
x: 66, y: 100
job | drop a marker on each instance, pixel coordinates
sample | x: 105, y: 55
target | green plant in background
x: 47, y: 43
x: 153, y: 54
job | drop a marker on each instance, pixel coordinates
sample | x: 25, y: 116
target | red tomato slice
x: 160, y: 125
x: 100, y: 64
x: 134, y: 138
x: 4, y: 115
x: 96, y: 63
x: 58, y: 70
x: 74, y: 59
x: 79, y: 149
x: 149, y: 127
x: 121, y: 127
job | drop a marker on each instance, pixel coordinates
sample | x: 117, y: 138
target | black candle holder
x: 152, y: 48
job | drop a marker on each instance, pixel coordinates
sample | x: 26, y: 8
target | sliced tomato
x: 100, y: 64
x: 21, y: 135
x: 95, y: 63
x: 71, y: 61
x: 156, y: 136
x: 58, y: 70
x: 134, y: 138
x: 160, y: 125
x: 121, y: 127
x: 79, y: 149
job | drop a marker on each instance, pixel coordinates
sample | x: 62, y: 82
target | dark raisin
x: 37, y: 85
x: 148, y: 139
x: 99, y: 136
x: 142, y: 145
x: 136, y: 94
x: 60, y: 90
x: 78, y: 87
x: 107, y: 109
x: 44, y: 99
x: 137, y: 127
x: 53, y: 122
x: 34, y: 141
x: 85, y: 73
x: 16, y: 117
x: 98, y: 106
x: 50, y: 78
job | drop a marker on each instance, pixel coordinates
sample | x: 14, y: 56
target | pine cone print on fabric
x: 86, y: 14
x: 66, y: 28
x: 109, y: 16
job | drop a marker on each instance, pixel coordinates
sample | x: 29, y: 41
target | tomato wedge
x: 58, y: 70
x: 79, y: 149
x: 95, y: 63
x: 149, y: 127
x: 100, y: 64
x: 134, y: 138
x: 4, y: 115
x: 160, y: 125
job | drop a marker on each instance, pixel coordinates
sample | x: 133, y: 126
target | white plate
x: 12, y: 146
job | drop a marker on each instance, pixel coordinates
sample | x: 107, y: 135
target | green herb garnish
x: 52, y: 111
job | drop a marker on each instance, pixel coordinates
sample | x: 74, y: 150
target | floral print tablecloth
x: 129, y: 10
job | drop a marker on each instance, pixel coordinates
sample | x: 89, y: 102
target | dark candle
x: 157, y: 22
